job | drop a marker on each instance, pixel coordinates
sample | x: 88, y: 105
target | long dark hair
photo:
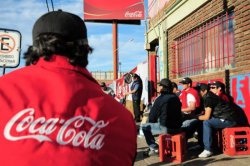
x: 48, y: 44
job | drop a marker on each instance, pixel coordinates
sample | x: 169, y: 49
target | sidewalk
x: 191, y: 158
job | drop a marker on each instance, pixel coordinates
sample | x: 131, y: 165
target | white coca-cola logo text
x: 136, y: 14
x: 67, y: 132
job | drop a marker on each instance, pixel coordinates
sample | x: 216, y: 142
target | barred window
x: 209, y: 47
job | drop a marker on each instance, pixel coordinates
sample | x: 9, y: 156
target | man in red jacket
x: 190, y: 100
x: 53, y: 112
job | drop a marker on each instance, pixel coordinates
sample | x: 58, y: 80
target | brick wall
x: 161, y: 13
x: 242, y: 35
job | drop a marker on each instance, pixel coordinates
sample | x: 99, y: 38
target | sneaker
x: 150, y: 152
x: 195, y: 135
x: 153, y: 153
x: 145, y: 153
x: 205, y: 154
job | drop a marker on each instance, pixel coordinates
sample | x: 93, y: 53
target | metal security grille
x: 209, y: 47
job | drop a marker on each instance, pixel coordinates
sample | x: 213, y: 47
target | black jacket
x: 220, y: 109
x: 167, y: 109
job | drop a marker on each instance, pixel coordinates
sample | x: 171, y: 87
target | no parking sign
x: 10, y: 48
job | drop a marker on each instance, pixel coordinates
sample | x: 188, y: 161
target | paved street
x: 191, y: 158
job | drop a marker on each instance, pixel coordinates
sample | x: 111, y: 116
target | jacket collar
x: 62, y: 63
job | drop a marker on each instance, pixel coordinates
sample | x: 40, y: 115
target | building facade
x: 205, y: 40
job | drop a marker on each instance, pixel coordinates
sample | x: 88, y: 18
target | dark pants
x: 209, y: 125
x: 136, y: 108
x: 192, y: 125
x: 150, y: 130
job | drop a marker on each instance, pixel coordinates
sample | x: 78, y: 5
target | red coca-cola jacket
x: 55, y: 114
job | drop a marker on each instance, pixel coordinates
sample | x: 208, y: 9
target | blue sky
x: 20, y: 15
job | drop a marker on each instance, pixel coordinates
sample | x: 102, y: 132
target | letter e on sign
x: 10, y: 47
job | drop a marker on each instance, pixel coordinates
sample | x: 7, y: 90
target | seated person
x: 175, y: 89
x: 164, y: 117
x: 218, y: 115
x: 190, y: 100
x: 219, y: 89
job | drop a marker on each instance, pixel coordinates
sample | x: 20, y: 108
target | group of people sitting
x: 202, y: 109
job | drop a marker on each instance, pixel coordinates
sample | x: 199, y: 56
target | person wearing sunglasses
x: 218, y: 88
x: 217, y: 115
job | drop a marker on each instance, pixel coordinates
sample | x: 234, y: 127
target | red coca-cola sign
x: 113, y: 10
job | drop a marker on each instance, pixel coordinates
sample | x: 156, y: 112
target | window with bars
x: 209, y: 47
